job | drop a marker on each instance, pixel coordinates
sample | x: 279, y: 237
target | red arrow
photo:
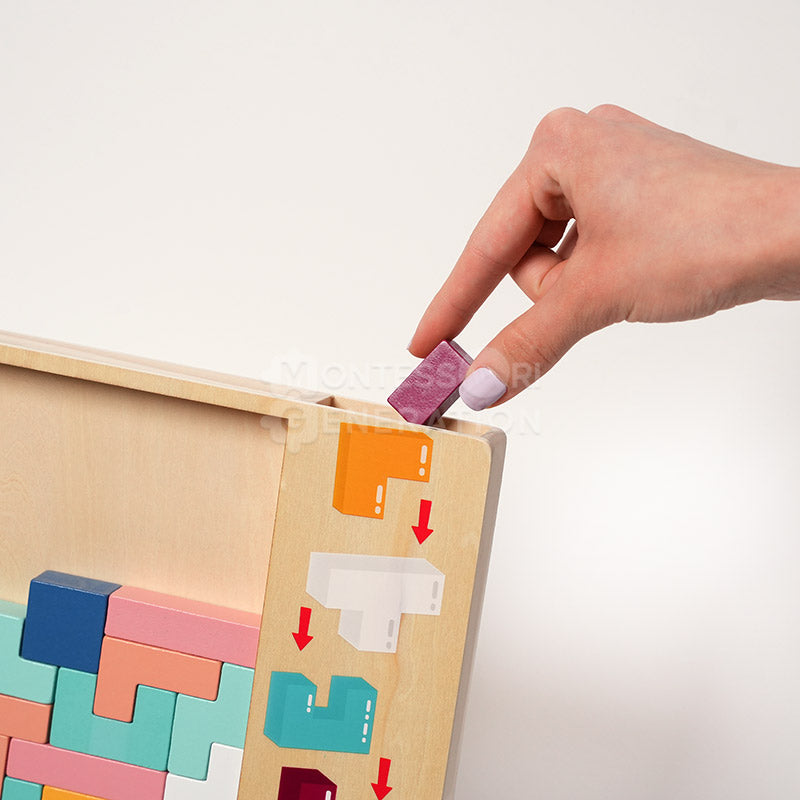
x: 301, y: 637
x: 381, y: 788
x: 421, y: 529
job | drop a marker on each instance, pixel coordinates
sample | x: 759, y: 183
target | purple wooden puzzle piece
x: 432, y: 387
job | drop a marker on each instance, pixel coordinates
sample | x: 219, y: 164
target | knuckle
x: 482, y: 251
x: 557, y: 124
x: 608, y: 112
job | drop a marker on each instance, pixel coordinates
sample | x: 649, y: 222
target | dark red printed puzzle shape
x: 305, y: 784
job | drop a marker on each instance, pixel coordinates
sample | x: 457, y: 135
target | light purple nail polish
x: 481, y: 389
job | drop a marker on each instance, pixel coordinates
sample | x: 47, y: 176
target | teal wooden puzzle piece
x: 28, y: 680
x: 143, y: 742
x: 200, y: 723
x: 21, y: 790
x: 343, y: 726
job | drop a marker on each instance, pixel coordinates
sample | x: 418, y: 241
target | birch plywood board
x: 134, y: 487
x: 416, y: 674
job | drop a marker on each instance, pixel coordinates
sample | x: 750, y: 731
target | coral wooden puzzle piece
x: 200, y: 723
x: 373, y: 592
x: 78, y: 772
x: 222, y: 783
x: 344, y: 725
x: 125, y: 665
x: 28, y: 680
x: 188, y: 626
x: 426, y: 394
x: 367, y: 456
x: 298, y: 783
x: 24, y: 719
x: 143, y: 742
x: 3, y: 757
x: 65, y: 620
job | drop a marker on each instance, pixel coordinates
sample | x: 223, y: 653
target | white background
x: 237, y: 185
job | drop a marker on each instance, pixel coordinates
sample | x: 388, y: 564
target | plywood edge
x: 387, y: 413
x: 495, y: 440
x: 144, y: 374
x: 199, y: 385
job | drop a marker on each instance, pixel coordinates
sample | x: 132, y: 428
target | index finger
x: 500, y: 239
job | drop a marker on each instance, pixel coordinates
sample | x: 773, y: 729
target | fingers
x: 537, y: 271
x: 527, y: 348
x: 502, y: 237
x: 551, y: 233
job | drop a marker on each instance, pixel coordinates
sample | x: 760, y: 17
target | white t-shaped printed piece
x: 372, y: 593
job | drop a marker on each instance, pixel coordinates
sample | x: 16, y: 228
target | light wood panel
x: 420, y: 685
x: 135, y: 488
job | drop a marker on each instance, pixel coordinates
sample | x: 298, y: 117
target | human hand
x: 666, y: 228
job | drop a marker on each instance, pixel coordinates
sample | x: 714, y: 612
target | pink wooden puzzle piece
x: 426, y: 394
x: 188, y: 626
x: 77, y: 772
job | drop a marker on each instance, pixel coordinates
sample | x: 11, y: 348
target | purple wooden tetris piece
x: 432, y: 387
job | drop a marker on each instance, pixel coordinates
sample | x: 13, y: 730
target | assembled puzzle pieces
x: 426, y: 394
x: 28, y: 680
x: 188, y: 626
x: 125, y: 665
x: 78, y: 772
x: 14, y: 789
x: 222, y: 783
x: 144, y: 741
x: 110, y: 731
x: 201, y: 723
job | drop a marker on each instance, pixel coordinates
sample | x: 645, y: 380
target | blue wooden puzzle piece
x: 343, y: 726
x: 14, y: 789
x: 65, y: 621
x: 28, y: 680
x: 144, y: 741
x: 199, y: 723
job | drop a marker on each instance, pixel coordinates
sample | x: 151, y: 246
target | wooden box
x: 272, y: 500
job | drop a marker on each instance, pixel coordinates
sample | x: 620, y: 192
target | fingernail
x: 481, y: 388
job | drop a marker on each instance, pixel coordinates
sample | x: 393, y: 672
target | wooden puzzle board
x: 209, y: 487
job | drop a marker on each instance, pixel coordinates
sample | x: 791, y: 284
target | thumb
x: 534, y: 342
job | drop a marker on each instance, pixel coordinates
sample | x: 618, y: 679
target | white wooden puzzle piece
x: 222, y: 783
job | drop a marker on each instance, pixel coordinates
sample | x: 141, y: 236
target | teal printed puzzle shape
x: 28, y: 680
x: 14, y: 789
x: 343, y: 726
x: 200, y: 723
x: 144, y: 741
